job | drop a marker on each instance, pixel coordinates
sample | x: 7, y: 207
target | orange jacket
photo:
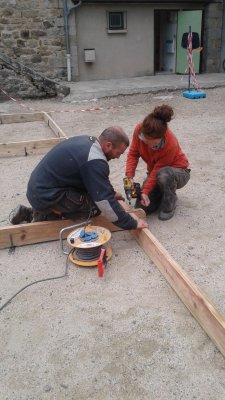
x: 170, y: 155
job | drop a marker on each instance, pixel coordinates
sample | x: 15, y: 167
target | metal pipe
x: 69, y: 228
x: 66, y: 13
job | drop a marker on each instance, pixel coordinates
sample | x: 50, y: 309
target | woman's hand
x: 144, y: 200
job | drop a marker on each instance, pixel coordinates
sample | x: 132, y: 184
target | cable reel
x: 89, y: 246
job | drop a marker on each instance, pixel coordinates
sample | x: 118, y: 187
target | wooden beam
x: 54, y: 127
x: 32, y: 146
x: 20, y: 235
x: 28, y: 147
x: 27, y: 117
x: 194, y: 299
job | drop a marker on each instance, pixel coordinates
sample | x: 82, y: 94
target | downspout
x: 222, y: 54
x: 66, y: 13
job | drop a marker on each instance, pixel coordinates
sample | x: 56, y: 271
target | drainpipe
x: 66, y: 12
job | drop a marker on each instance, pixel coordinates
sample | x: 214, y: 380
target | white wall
x: 117, y: 55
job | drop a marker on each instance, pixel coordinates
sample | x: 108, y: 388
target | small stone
x: 47, y: 388
x: 64, y: 385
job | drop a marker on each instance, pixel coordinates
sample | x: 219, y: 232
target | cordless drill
x: 132, y: 189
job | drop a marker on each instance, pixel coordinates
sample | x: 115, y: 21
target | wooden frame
x: 195, y: 300
x: 38, y: 232
x: 25, y: 148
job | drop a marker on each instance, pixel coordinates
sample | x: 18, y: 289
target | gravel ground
x: 127, y: 336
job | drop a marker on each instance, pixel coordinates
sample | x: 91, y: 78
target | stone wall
x: 21, y: 81
x: 212, y: 35
x: 32, y: 32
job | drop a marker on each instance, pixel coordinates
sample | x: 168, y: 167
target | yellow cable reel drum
x: 90, y: 247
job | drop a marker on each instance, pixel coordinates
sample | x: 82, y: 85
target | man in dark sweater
x: 73, y: 180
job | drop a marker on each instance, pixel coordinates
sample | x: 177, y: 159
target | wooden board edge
x: 54, y: 126
x: 202, y: 309
x: 38, y: 232
x: 211, y: 320
x: 21, y: 117
x: 26, y: 148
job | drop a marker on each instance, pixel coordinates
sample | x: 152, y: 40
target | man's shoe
x: 164, y: 216
x: 21, y: 214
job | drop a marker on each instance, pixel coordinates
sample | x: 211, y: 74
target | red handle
x: 101, y: 264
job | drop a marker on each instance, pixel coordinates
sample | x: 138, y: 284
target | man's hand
x: 144, y: 200
x: 141, y: 223
x: 118, y: 196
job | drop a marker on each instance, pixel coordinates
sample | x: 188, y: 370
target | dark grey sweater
x: 77, y: 164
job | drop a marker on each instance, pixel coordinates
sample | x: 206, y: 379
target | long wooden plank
x: 27, y: 117
x: 195, y: 300
x: 28, y: 147
x: 54, y: 127
x: 20, y: 235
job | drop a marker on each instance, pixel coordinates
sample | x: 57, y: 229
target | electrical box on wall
x: 170, y: 46
x: 89, y: 55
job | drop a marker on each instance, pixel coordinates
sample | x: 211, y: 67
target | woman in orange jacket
x: 167, y: 165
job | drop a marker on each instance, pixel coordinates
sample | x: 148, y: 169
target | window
x: 117, y: 22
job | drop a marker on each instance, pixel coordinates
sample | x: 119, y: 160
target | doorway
x: 169, y: 27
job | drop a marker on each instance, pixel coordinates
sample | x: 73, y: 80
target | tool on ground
x: 89, y: 246
x: 132, y: 189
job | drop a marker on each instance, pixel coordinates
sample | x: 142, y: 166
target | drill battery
x: 132, y: 189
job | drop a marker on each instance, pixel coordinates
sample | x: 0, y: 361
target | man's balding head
x: 114, y: 142
x: 115, y: 135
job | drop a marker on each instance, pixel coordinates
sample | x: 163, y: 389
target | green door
x: 186, y: 19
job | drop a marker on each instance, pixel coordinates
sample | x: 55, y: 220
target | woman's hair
x: 155, y: 123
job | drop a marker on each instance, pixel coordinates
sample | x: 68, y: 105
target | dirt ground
x: 127, y: 336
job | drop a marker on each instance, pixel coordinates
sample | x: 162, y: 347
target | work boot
x: 21, y: 214
x: 165, y: 215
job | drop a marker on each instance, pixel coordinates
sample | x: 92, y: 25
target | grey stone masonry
x: 213, y: 39
x: 21, y: 81
x: 32, y: 32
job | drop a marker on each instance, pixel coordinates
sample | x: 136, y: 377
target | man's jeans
x: 69, y: 205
